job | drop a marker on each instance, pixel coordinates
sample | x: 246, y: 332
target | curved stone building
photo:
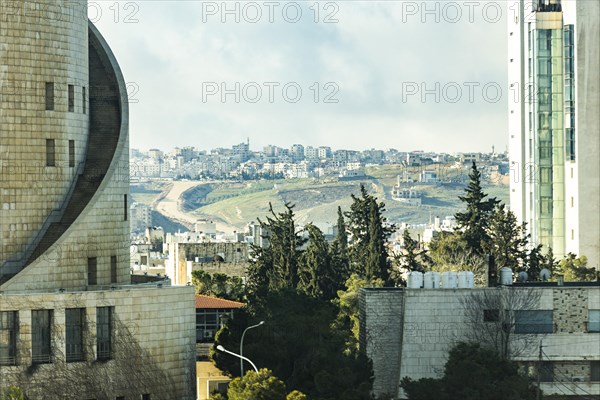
x: 65, y: 296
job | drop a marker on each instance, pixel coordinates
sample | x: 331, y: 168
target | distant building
x: 428, y: 177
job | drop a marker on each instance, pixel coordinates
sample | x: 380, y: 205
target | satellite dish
x: 544, y: 275
x: 522, y: 276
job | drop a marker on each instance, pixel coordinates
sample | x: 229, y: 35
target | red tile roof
x: 203, y: 301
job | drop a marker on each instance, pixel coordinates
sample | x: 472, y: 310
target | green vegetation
x: 473, y: 373
x: 13, y: 393
x: 218, y: 285
x: 261, y: 385
x: 575, y: 268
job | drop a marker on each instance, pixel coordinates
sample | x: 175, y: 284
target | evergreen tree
x: 275, y: 267
x: 339, y: 250
x: 474, y: 221
x: 507, y: 239
x: 315, y: 275
x: 410, y: 259
x: 370, y: 232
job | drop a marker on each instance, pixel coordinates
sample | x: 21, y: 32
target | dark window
x: 120, y: 398
x: 104, y: 332
x: 546, y: 372
x: 146, y: 396
x: 83, y: 100
x: 8, y: 337
x: 113, y: 269
x: 74, y: 326
x: 41, y: 321
x: 71, y: 153
x: 533, y: 321
x: 595, y: 371
x: 92, y: 271
x: 125, y: 207
x: 491, y: 315
x: 49, y: 96
x: 209, y: 321
x: 50, y: 153
x: 594, y: 321
x: 71, y: 98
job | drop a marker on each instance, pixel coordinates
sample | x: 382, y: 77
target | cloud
x: 366, y: 61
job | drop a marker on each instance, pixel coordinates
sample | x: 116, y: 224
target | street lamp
x: 242, y: 347
x: 223, y: 349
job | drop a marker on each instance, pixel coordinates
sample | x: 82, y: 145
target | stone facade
x: 408, y: 332
x: 64, y: 223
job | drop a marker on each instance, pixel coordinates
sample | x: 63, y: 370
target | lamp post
x: 224, y: 350
x: 242, y: 347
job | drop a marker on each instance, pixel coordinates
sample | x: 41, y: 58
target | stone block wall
x: 570, y: 310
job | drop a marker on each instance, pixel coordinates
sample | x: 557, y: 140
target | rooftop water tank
x: 449, y: 280
x: 415, y: 280
x: 506, y: 277
x: 466, y: 280
x: 544, y: 275
x: 522, y: 277
x: 431, y: 280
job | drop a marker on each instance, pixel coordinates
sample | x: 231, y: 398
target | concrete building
x: 554, y: 78
x: 71, y: 324
x: 408, y: 332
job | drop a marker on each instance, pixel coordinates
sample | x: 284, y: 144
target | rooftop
x: 203, y: 301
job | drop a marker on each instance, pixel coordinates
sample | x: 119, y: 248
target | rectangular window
x: 104, y: 333
x: 125, y: 207
x: 41, y: 325
x: 74, y: 327
x: 50, y: 153
x: 146, y: 396
x: 595, y: 371
x: 71, y: 98
x: 113, y: 269
x: 533, y: 321
x: 547, y: 372
x: 8, y: 337
x: 92, y: 271
x: 491, y: 315
x: 594, y: 321
x: 83, y: 100
x: 71, y: 153
x: 49, y: 96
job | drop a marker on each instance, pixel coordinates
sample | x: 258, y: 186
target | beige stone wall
x: 160, y: 320
x: 39, y: 43
x: 570, y: 310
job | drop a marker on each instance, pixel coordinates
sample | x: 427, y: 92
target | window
x: 533, y: 321
x: 8, y: 337
x: 595, y: 371
x: 146, y: 396
x: 49, y: 96
x: 594, y: 321
x: 491, y: 315
x: 71, y: 153
x: 125, y: 206
x: 113, y: 269
x: 50, y: 153
x: 41, y: 321
x: 120, y: 398
x: 209, y: 321
x: 104, y: 333
x: 74, y: 326
x: 83, y: 100
x: 92, y: 271
x: 71, y: 98
x: 547, y: 372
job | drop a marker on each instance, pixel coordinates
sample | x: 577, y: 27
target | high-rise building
x: 554, y: 128
x: 71, y: 324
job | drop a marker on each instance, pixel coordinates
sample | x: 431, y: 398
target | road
x: 170, y: 206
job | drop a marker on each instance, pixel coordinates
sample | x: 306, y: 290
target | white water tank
x: 449, y: 280
x: 522, y: 277
x: 506, y: 276
x: 415, y: 279
x: 544, y: 275
x: 466, y: 280
x: 431, y: 280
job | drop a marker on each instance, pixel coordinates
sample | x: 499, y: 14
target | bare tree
x: 491, y: 316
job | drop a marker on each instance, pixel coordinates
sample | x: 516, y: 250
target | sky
x: 424, y: 75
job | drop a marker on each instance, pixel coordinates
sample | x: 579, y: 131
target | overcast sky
x: 345, y: 74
